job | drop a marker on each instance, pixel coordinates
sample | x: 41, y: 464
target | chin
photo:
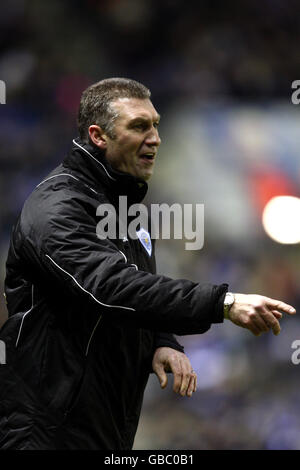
x: 146, y: 177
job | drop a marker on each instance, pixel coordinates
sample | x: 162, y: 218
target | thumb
x: 161, y: 375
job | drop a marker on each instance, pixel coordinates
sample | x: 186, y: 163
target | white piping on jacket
x: 94, y: 329
x: 92, y: 334
x: 90, y: 155
x: 26, y: 313
x: 123, y: 255
x: 87, y: 292
x: 54, y: 176
x: 65, y: 174
x: 126, y: 261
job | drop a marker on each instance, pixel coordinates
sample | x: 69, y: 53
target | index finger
x: 278, y: 305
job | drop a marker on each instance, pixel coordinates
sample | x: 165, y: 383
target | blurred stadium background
x: 220, y: 75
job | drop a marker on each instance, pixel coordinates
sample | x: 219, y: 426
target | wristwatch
x: 228, y: 302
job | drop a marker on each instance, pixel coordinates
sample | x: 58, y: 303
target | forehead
x: 133, y: 108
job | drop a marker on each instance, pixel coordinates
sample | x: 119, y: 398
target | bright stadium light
x: 281, y: 219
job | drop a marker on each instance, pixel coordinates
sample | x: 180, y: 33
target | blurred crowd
x: 220, y: 74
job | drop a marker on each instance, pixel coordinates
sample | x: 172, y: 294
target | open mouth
x: 148, y: 157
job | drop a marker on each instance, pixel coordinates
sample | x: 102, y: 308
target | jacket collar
x: 90, y: 162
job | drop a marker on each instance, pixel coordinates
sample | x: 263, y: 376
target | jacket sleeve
x: 167, y: 340
x: 59, y: 240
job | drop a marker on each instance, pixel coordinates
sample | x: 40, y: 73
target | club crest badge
x: 145, y: 240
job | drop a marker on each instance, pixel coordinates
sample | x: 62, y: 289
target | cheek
x: 125, y: 149
x: 130, y: 142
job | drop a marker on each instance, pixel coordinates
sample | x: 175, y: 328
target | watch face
x: 229, y: 299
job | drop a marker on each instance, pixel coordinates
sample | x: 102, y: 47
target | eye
x: 142, y: 126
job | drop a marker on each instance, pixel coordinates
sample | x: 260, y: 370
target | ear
x: 98, y: 137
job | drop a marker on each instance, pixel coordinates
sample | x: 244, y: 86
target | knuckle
x: 259, y: 306
x: 173, y: 357
x: 252, y: 313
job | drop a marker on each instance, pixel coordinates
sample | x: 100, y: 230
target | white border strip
x: 87, y: 292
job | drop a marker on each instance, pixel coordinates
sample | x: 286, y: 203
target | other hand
x: 170, y: 360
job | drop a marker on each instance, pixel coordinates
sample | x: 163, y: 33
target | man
x: 89, y: 318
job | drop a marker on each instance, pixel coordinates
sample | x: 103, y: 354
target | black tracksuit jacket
x: 85, y: 314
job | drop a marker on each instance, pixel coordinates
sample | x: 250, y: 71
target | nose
x: 153, y: 138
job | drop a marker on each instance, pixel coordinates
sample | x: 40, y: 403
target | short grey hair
x: 96, y: 104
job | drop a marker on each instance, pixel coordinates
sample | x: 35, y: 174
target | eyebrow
x: 143, y: 118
